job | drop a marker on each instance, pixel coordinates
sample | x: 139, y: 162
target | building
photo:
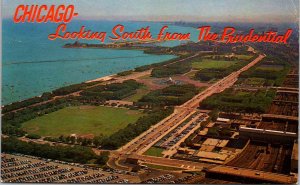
x: 294, y: 161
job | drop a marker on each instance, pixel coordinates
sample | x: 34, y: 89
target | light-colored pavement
x: 142, y: 143
x: 188, y: 165
x: 145, y: 140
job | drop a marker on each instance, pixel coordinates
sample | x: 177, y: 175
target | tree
x: 213, y: 131
x: 214, y: 114
x: 84, y: 142
x: 68, y: 139
x: 62, y: 138
x: 72, y: 139
x: 225, y: 132
x: 79, y: 140
x: 76, y: 154
x: 103, y: 158
x: 97, y: 140
x: 89, y: 141
x: 33, y: 136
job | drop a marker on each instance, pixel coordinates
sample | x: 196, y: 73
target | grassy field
x: 273, y: 71
x: 244, y: 57
x: 271, y: 67
x: 240, y: 57
x: 255, y: 81
x: 162, y: 167
x: 82, y: 120
x: 154, y: 151
x: 212, y: 64
x: 191, y: 74
x: 138, y: 95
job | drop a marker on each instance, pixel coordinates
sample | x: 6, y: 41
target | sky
x: 174, y: 10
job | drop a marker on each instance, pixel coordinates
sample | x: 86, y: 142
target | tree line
x: 168, y: 96
x: 208, y: 74
x: 73, y: 154
x: 11, y: 121
x: 238, y: 101
x: 114, y: 91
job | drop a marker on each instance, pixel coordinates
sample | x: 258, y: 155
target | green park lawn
x: 160, y: 167
x: 94, y: 120
x: 212, y: 64
x: 138, y: 95
x: 154, y: 151
x: 240, y: 57
x: 244, y: 57
x: 255, y: 81
x: 271, y: 67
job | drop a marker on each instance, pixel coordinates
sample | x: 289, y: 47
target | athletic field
x: 82, y: 120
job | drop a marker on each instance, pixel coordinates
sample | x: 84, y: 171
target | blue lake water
x: 32, y: 64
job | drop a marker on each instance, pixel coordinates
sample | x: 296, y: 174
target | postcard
x: 150, y: 91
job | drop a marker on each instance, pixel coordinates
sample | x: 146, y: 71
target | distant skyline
x: 271, y: 11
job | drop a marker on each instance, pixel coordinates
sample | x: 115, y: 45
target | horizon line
x: 173, y: 21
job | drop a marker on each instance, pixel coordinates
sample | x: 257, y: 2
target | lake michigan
x: 32, y: 64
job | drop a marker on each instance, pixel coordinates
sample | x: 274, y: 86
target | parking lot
x: 19, y: 168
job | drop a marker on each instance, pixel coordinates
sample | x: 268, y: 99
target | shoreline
x: 104, y: 78
x: 99, y: 79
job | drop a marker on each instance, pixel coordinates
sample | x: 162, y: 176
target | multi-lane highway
x: 181, y: 113
x: 139, y: 145
x: 220, y: 86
